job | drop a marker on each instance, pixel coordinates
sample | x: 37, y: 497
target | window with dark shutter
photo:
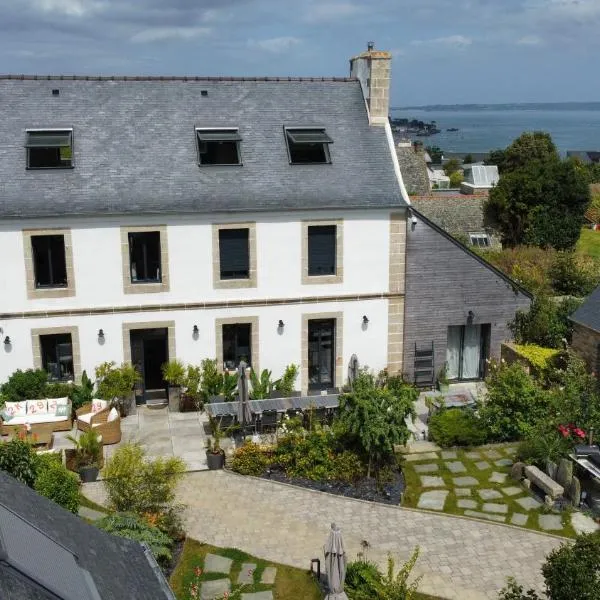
x: 57, y: 356
x: 234, y: 253
x: 321, y: 249
x: 144, y: 254
x: 236, y: 345
x: 49, y: 264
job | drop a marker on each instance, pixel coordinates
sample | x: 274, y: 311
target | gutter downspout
x: 390, y: 140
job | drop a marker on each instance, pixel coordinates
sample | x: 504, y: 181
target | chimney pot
x: 370, y: 46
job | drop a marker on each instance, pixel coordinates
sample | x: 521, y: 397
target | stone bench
x: 544, y: 482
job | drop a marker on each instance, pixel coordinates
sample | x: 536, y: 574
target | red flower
x: 579, y: 433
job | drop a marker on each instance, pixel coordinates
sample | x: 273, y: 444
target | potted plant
x: 88, y: 450
x: 443, y: 382
x: 262, y: 386
x: 174, y: 374
x: 284, y: 387
x: 212, y: 381
x: 116, y: 385
x: 215, y: 455
x: 191, y: 394
x: 229, y: 386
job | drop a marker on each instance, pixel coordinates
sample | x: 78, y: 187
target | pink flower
x: 579, y: 433
x: 197, y: 571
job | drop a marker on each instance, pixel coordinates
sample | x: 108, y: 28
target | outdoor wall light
x: 7, y: 341
x: 365, y: 320
x: 101, y: 335
x: 195, y: 331
x: 281, y: 324
x: 470, y: 317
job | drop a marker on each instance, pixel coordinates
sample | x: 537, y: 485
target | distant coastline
x: 587, y: 106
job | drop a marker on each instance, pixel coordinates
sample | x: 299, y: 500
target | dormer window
x: 308, y: 145
x: 49, y: 149
x: 218, y: 146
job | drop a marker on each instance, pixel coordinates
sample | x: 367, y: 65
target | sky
x: 444, y: 51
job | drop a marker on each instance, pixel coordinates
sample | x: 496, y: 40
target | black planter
x: 88, y: 474
x: 215, y: 461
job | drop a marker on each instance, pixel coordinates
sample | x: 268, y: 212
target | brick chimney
x: 372, y: 69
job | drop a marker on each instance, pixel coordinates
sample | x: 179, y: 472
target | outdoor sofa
x: 55, y: 412
x: 99, y: 416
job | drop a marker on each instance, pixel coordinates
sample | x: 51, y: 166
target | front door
x: 466, y: 351
x: 149, y: 351
x: 321, y: 353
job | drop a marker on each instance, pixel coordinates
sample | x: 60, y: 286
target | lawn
x: 290, y: 583
x: 469, y: 458
x: 589, y: 243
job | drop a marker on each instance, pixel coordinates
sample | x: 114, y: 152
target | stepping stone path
x: 258, y: 596
x: 447, y: 454
x: 466, y: 503
x: 213, y: 563
x: 495, y: 508
x: 482, y: 465
x: 489, y: 494
x: 510, y: 451
x: 426, y: 468
x: 90, y: 513
x: 462, y: 491
x: 512, y: 491
x: 493, y: 454
x: 433, y: 500
x: 268, y: 575
x: 456, y: 467
x: 429, y: 481
x: 473, y: 455
x: 583, y: 524
x: 550, y: 522
x: 528, y: 503
x: 480, y: 515
x: 464, y: 481
x: 497, y: 477
x: 503, y: 462
x: 420, y: 457
x: 246, y: 574
x: 210, y: 590
x: 519, y: 519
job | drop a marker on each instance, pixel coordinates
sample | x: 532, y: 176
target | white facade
x: 101, y: 302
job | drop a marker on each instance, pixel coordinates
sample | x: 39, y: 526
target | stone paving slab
x: 481, y: 515
x: 448, y: 454
x: 473, y: 455
x: 455, y: 467
x: 213, y: 563
x: 420, y: 457
x: 464, y: 503
x: 489, y: 494
x: 583, y: 524
x: 528, y: 503
x: 462, y: 491
x: 426, y: 468
x: 268, y: 575
x: 246, y: 574
x: 493, y: 454
x: 258, y: 596
x: 512, y: 490
x: 433, y: 500
x: 211, y: 590
x: 519, y: 519
x: 510, y: 451
x: 503, y: 462
x: 495, y: 508
x: 482, y: 465
x: 430, y: 481
x: 496, y: 477
x: 550, y: 522
x: 464, y: 481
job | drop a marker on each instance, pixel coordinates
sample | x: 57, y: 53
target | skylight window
x: 308, y: 145
x: 218, y: 146
x: 49, y: 149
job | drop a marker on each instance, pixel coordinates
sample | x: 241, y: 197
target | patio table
x: 281, y: 405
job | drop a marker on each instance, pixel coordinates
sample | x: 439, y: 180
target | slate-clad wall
x: 586, y: 342
x: 443, y: 283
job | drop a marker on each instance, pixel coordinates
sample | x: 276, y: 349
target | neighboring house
x: 47, y: 553
x: 586, y: 331
x: 457, y: 306
x: 479, y: 179
x: 145, y: 218
x: 585, y: 156
x: 460, y: 215
x: 413, y: 166
x: 438, y: 180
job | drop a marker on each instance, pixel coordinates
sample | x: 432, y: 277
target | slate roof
x: 588, y: 314
x: 586, y: 156
x: 119, y: 567
x: 135, y: 148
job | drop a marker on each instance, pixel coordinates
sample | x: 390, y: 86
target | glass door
x: 321, y: 362
x: 466, y: 350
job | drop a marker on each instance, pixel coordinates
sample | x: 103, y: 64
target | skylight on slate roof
x: 308, y: 145
x: 218, y: 146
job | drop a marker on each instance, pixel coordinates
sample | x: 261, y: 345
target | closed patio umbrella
x: 335, y: 564
x: 244, y: 415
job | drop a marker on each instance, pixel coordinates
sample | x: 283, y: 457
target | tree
x: 496, y: 157
x: 456, y: 179
x: 540, y: 199
x: 452, y: 166
x: 468, y: 159
x: 436, y: 154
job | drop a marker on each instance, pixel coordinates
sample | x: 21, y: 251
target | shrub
x: 25, y: 385
x: 514, y: 591
x: 456, y: 179
x: 134, y: 527
x: 249, y: 460
x: 574, y: 275
x: 136, y: 484
x: 285, y: 385
x: 58, y: 390
x: 363, y: 579
x: 456, y: 427
x: 212, y: 379
x: 18, y: 459
x: 543, y: 443
x: 527, y: 265
x: 115, y: 384
x: 57, y: 483
x: 82, y: 394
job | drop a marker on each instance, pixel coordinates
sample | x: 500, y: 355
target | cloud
x: 450, y: 41
x: 332, y: 11
x: 163, y: 34
x: 530, y: 40
x: 71, y: 8
x: 276, y: 45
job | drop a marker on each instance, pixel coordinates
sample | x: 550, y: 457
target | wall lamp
x: 100, y: 335
x: 470, y: 317
x: 195, y: 330
x: 7, y: 341
x: 365, y: 320
x: 281, y: 324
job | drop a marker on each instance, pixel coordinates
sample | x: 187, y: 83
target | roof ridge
x: 184, y: 78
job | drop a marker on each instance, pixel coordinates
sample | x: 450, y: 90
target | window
x: 218, y: 146
x: 321, y: 354
x: 234, y: 253
x: 321, y: 250
x: 236, y: 345
x: 49, y: 263
x: 481, y: 240
x: 144, y: 257
x: 308, y: 145
x: 57, y: 356
x: 49, y: 149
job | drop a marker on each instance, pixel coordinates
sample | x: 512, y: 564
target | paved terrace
x: 460, y: 559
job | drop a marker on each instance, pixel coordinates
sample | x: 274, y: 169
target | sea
x: 481, y: 128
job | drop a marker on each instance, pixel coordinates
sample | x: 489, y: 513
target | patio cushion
x: 37, y: 407
x: 62, y: 410
x: 5, y: 416
x: 98, y: 405
x: 54, y: 402
x: 113, y: 415
x: 16, y: 409
x: 86, y: 418
x: 32, y: 419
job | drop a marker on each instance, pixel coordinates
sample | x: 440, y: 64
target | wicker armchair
x: 109, y: 430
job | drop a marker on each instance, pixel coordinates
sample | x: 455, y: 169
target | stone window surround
x: 129, y: 287
x: 34, y: 293
x: 338, y: 350
x: 128, y: 327
x: 339, y: 253
x: 254, y: 338
x: 37, y: 347
x: 229, y: 284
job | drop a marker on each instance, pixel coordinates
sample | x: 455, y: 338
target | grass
x: 589, y: 243
x: 290, y: 583
x: 414, y: 488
